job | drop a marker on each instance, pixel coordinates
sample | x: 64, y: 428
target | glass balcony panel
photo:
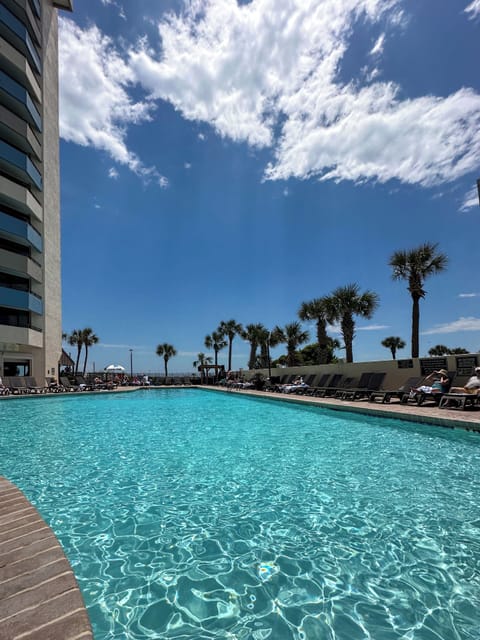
x: 21, y: 96
x: 12, y: 156
x: 20, y: 300
x: 20, y: 230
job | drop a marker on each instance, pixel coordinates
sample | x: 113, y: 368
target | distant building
x: 30, y: 287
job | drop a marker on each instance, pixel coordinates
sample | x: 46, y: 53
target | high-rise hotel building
x: 30, y: 285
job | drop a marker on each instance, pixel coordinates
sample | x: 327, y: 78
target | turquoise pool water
x: 191, y: 514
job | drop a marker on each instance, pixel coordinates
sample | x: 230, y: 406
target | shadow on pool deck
x: 39, y: 595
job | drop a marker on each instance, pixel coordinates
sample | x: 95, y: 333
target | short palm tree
x: 293, y: 335
x: 415, y: 266
x: 216, y: 342
x: 202, y: 361
x: 88, y: 340
x: 439, y: 350
x: 346, y: 302
x: 230, y: 329
x: 318, y: 310
x: 166, y: 351
x: 393, y: 343
x: 75, y: 339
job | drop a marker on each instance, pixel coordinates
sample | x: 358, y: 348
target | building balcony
x: 17, y: 34
x: 23, y: 300
x: 18, y: 164
x: 14, y: 96
x: 18, y: 197
x: 20, y: 265
x: 13, y: 336
x: 20, y: 231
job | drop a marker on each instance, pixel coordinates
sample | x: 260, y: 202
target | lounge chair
x: 319, y: 384
x: 83, y: 384
x: 386, y: 395
x: 460, y: 401
x: 18, y: 385
x: 360, y: 385
x: 374, y: 383
x: 329, y: 388
x: 69, y: 386
x: 33, y: 386
x: 302, y: 389
x: 419, y: 397
x: 345, y: 385
x: 5, y: 387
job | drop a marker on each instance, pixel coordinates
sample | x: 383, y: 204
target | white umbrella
x: 114, y: 368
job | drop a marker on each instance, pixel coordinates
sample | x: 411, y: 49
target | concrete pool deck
x: 39, y: 595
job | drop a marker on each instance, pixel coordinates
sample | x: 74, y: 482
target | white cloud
x: 113, y: 173
x: 187, y: 165
x: 471, y: 199
x: 328, y: 130
x: 378, y: 46
x: 373, y: 327
x: 95, y: 107
x: 473, y: 9
x: 268, y: 73
x: 469, y: 295
x: 462, y: 324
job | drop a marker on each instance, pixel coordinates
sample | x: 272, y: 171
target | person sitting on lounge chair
x: 440, y: 383
x: 472, y: 386
x: 4, y: 391
x: 298, y: 383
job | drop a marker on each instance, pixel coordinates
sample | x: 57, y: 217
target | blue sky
x: 224, y: 159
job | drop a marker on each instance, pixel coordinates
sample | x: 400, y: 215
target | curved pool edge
x: 39, y: 594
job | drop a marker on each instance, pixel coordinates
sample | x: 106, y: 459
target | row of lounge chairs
x: 370, y: 387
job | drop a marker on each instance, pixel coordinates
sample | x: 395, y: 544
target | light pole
x: 131, y: 364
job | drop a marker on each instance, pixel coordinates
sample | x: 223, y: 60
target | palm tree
x: 216, y: 342
x: 229, y: 330
x: 88, y: 340
x: 415, y: 266
x: 293, y: 335
x: 253, y: 334
x: 167, y: 351
x: 75, y: 339
x: 393, y: 343
x: 346, y: 302
x: 318, y: 310
x: 439, y: 350
x: 202, y: 361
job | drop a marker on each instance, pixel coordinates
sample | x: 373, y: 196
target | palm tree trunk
x: 85, y: 361
x: 230, y: 341
x: 415, y: 326
x: 322, y: 340
x: 253, y: 355
x: 79, y: 349
x: 165, y: 360
x: 394, y: 352
x: 348, y: 330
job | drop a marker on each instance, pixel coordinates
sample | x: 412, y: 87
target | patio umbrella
x: 114, y: 368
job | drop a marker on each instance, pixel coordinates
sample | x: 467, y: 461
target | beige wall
x: 393, y: 379
x: 51, y: 199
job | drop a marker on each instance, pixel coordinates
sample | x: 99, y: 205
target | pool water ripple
x: 191, y: 514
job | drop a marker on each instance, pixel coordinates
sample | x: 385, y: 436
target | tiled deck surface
x: 39, y: 595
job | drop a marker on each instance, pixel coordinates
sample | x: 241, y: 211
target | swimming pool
x: 194, y: 514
